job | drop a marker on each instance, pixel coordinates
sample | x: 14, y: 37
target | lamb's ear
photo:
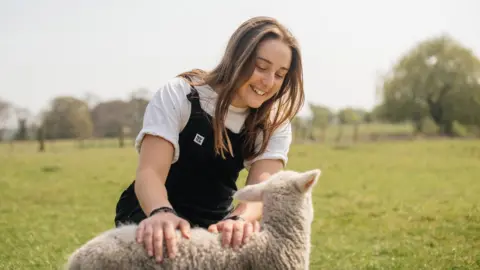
x: 307, y: 180
x: 250, y: 193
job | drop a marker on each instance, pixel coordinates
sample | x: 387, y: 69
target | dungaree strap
x: 194, y: 98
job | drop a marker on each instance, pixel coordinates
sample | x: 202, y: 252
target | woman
x: 202, y: 128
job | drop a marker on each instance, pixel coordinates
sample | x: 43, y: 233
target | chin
x: 255, y: 105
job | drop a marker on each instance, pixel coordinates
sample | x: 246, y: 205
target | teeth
x: 259, y: 92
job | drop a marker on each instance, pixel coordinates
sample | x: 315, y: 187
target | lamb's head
x: 284, y: 190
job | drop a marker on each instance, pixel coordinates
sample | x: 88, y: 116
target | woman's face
x: 272, y: 62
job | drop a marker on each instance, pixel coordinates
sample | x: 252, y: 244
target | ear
x: 307, y: 180
x: 250, y: 193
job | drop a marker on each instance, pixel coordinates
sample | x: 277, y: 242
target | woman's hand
x: 160, y: 227
x: 235, y: 233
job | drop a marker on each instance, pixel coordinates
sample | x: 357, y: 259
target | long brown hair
x: 235, y: 68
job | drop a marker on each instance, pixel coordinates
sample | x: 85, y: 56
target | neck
x: 289, y: 224
x: 290, y: 227
x: 237, y: 102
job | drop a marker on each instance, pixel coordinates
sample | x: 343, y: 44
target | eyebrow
x: 270, y: 62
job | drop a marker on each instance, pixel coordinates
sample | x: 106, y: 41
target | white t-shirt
x: 168, y: 111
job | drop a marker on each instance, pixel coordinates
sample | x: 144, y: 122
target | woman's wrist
x: 234, y: 217
x: 163, y: 209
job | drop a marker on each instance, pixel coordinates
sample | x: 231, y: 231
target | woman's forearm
x: 150, y: 190
x: 259, y: 172
x: 249, y: 211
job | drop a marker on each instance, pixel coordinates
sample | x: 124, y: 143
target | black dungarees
x: 200, y: 184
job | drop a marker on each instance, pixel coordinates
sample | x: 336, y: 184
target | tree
x: 438, y: 78
x: 349, y: 116
x: 40, y: 135
x: 300, y: 127
x: 321, y: 118
x: 23, y: 116
x: 138, y: 103
x: 110, y: 117
x: 68, y: 118
x: 5, y: 108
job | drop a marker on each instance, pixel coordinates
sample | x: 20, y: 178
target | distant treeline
x: 69, y: 117
x: 435, y: 86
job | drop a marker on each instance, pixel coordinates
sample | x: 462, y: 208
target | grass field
x: 388, y: 205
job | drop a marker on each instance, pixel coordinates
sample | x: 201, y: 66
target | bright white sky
x: 54, y: 47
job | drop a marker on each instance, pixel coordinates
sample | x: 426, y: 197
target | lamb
x: 282, y: 243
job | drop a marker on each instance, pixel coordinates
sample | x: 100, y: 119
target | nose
x: 268, y: 80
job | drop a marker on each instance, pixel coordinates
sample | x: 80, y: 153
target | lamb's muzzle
x: 282, y: 243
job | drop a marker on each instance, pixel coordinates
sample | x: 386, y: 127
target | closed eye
x: 280, y: 76
x: 261, y: 68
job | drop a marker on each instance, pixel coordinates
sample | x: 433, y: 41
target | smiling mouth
x: 257, y: 91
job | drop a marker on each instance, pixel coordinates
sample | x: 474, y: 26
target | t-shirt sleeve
x: 277, y: 147
x: 165, y: 114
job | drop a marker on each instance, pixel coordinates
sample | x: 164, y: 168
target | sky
x: 111, y: 48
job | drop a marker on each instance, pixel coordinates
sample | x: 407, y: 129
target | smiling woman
x: 202, y: 128
x: 271, y: 65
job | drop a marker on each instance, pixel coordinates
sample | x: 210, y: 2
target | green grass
x: 395, y: 205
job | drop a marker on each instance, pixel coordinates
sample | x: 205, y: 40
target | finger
x: 220, y: 225
x: 158, y: 242
x: 217, y: 227
x: 227, y: 233
x: 237, y: 236
x: 170, y: 239
x: 185, y: 228
x: 147, y: 239
x: 247, y: 232
x: 256, y: 226
x: 139, y: 232
x: 213, y: 228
